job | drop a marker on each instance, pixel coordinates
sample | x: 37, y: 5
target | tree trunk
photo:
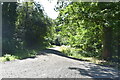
x: 118, y: 53
x: 107, y: 41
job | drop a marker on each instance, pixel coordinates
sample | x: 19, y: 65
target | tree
x: 32, y: 25
x: 101, y: 18
x: 24, y: 27
x: 8, y: 27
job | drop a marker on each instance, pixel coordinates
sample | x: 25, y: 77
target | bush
x: 69, y: 51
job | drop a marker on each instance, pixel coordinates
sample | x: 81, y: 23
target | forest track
x: 52, y: 64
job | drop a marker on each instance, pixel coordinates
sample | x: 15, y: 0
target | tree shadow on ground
x: 32, y: 57
x: 100, y: 72
x: 52, y: 51
x: 97, y: 72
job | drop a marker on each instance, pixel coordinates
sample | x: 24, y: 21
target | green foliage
x: 7, y: 57
x: 20, y: 54
x: 32, y: 26
x: 8, y: 29
x: 25, y: 27
x: 90, y: 27
x: 74, y: 52
x: 67, y: 50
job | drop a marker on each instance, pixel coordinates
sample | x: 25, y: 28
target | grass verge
x: 18, y: 55
x: 73, y: 52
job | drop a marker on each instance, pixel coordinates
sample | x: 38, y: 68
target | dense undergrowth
x: 18, y: 55
x: 76, y: 53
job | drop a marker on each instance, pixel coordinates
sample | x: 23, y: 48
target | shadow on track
x: 52, y: 51
x: 97, y: 73
x: 32, y: 57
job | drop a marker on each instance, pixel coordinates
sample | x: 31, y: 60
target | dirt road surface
x: 52, y: 65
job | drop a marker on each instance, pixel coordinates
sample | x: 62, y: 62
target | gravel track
x: 54, y: 66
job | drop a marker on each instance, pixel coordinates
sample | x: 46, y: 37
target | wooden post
x: 0, y: 29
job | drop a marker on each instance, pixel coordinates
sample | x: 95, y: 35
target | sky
x: 49, y: 7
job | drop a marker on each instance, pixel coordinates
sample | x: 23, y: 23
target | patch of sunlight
x: 2, y: 59
x: 7, y: 57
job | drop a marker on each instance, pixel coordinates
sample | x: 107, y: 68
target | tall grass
x: 76, y: 53
x: 18, y: 55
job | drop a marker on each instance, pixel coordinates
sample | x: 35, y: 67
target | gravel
x: 54, y: 66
